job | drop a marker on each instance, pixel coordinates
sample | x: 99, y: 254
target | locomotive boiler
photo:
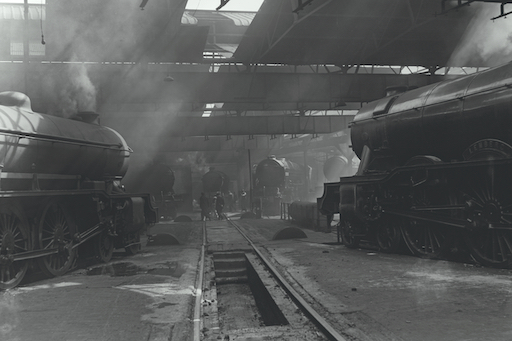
x: 60, y: 191
x: 435, y: 170
x: 278, y: 180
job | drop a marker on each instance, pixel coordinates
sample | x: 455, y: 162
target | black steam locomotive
x: 435, y: 171
x: 60, y: 191
x: 278, y: 180
x: 215, y: 181
x: 158, y: 180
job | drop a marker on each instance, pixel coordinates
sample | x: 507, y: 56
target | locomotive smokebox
x: 215, y: 181
x: 270, y: 172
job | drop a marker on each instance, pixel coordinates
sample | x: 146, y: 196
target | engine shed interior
x: 197, y: 85
x: 255, y: 170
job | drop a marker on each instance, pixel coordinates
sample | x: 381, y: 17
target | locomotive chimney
x: 87, y: 117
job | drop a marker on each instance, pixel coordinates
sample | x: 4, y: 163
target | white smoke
x: 196, y: 161
x: 79, y: 94
x: 486, y: 42
x: 70, y: 91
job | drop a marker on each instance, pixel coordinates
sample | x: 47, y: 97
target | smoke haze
x: 70, y: 91
x: 486, y: 42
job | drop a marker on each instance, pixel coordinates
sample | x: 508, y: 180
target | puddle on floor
x: 173, y: 269
x: 116, y: 269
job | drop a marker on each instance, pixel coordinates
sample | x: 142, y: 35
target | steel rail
x: 328, y: 330
x: 199, y: 290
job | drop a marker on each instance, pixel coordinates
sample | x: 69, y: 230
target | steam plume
x: 70, y: 91
x: 486, y: 42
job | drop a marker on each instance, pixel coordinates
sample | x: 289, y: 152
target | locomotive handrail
x: 53, y: 138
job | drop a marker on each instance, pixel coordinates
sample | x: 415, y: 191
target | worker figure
x: 204, y: 204
x: 219, y: 205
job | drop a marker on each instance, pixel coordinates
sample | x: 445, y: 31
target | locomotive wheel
x: 491, y: 248
x: 490, y: 201
x: 389, y: 235
x: 56, y: 230
x: 134, y: 249
x: 425, y: 239
x: 13, y: 239
x: 104, y: 247
x: 348, y: 231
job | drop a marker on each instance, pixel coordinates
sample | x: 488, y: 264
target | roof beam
x: 258, y: 125
x: 254, y: 91
x: 245, y: 125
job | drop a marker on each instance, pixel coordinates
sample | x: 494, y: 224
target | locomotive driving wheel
x: 104, y: 246
x: 13, y: 239
x: 134, y: 247
x: 56, y: 230
x: 348, y: 234
x: 424, y: 238
x: 488, y: 197
x: 389, y: 235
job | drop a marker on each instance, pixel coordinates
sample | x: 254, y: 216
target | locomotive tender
x: 59, y: 189
x: 436, y: 169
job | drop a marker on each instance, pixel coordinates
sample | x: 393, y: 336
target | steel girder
x: 142, y: 88
x: 258, y: 125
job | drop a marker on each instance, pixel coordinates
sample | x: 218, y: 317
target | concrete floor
x: 148, y: 296
x: 376, y: 296
x: 365, y: 294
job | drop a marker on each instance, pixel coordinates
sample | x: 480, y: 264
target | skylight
x: 232, y: 5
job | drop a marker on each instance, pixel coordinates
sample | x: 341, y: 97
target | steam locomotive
x: 215, y: 181
x: 278, y: 180
x: 60, y: 191
x: 158, y: 180
x: 435, y: 171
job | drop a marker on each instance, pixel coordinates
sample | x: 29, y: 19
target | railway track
x: 230, y: 272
